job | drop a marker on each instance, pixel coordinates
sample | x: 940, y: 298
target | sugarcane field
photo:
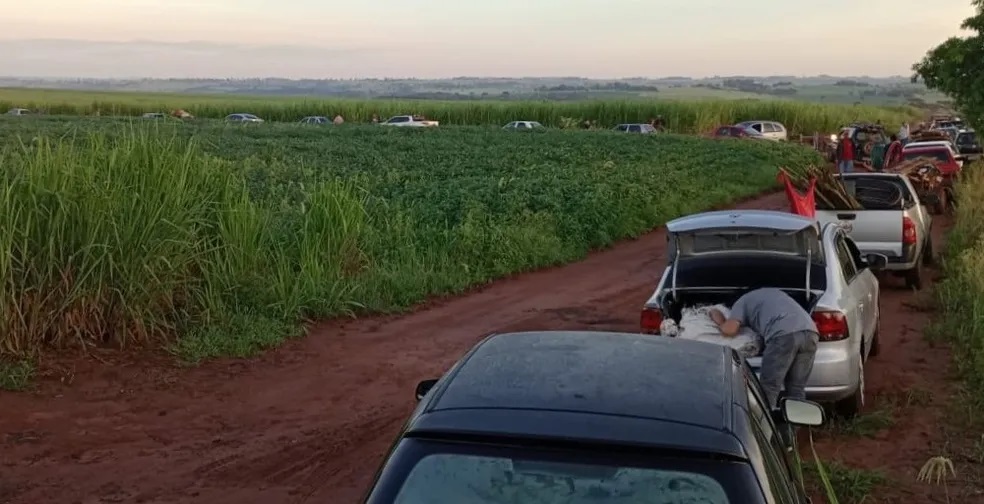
x: 360, y: 280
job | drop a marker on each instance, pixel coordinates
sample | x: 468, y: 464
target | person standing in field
x: 788, y: 332
x: 845, y: 154
x: 904, y: 134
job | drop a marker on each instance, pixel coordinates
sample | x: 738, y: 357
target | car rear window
x: 455, y: 478
x: 937, y: 154
x: 967, y: 138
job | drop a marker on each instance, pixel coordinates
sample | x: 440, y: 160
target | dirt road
x: 309, y: 422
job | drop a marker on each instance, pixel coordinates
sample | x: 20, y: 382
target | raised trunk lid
x: 744, y: 231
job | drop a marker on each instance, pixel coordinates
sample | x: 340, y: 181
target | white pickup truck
x: 893, y: 223
x: 410, y: 121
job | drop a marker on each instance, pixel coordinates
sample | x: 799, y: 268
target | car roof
x: 624, y: 388
x: 929, y: 148
x: 765, y: 219
x: 927, y: 143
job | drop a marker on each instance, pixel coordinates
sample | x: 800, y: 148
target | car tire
x: 942, y: 204
x: 927, y: 255
x: 850, y: 407
x: 875, y: 344
x: 913, y: 277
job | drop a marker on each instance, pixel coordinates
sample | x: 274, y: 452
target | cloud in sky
x: 441, y: 38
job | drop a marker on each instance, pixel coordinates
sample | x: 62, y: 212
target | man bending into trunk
x: 789, y: 335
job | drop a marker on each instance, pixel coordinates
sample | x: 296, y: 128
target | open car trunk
x: 715, y: 257
x: 721, y: 280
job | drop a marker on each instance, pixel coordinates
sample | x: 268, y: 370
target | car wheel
x: 850, y: 407
x: 875, y: 344
x: 942, y: 203
x: 913, y: 277
x: 927, y: 255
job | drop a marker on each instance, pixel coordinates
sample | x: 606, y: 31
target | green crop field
x: 230, y: 235
x: 695, y: 116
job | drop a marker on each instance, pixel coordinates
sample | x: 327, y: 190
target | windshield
x: 422, y: 472
x: 471, y: 479
x: 937, y: 154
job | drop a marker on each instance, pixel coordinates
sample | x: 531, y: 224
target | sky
x: 480, y: 38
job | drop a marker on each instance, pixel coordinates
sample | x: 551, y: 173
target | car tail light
x: 831, y: 325
x: 908, y: 231
x: 650, y: 320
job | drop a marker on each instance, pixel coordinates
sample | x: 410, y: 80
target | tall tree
x: 956, y: 68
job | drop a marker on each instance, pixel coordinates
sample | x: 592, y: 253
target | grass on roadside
x: 15, y: 374
x: 850, y: 485
x: 865, y: 425
x: 960, y: 298
x: 961, y: 292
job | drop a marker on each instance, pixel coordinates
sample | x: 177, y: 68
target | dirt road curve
x: 308, y: 422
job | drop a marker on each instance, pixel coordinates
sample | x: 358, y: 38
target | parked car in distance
x: 154, y: 115
x: 949, y: 162
x: 893, y: 223
x: 580, y: 417
x: 242, y: 117
x: 771, y: 130
x: 968, y: 145
x: 736, y: 132
x: 315, y: 120
x: 931, y: 143
x: 523, y: 125
x: 716, y: 256
x: 18, y: 112
x: 635, y: 128
x: 409, y: 121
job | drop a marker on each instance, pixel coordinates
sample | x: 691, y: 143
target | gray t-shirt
x: 770, y: 313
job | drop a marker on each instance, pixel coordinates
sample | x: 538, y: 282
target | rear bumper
x: 835, y: 372
x: 908, y: 260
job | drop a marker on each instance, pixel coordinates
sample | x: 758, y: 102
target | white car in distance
x: 409, y: 121
x: 523, y: 125
x: 771, y: 130
x: 316, y: 120
x: 243, y: 118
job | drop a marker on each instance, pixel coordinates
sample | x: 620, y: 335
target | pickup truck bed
x: 894, y: 222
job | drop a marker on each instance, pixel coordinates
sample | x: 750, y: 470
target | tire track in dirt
x: 309, y: 422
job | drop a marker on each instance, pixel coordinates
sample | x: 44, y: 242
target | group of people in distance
x: 885, y: 153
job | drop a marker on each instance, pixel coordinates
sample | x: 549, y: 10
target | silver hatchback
x: 714, y: 256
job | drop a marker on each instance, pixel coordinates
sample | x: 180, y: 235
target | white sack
x: 696, y: 324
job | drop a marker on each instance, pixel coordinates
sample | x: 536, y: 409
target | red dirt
x: 309, y: 422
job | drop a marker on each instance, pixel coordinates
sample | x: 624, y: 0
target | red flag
x: 800, y: 204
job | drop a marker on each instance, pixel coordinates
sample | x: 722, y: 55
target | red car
x: 736, y: 132
x: 944, y: 158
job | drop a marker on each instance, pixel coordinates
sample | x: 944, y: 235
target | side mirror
x: 960, y: 158
x: 423, y: 388
x: 876, y: 261
x: 797, y: 412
